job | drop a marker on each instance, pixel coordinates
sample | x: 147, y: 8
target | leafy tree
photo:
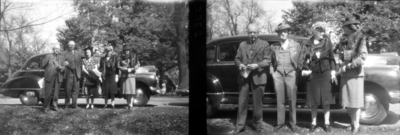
x: 150, y: 28
x: 382, y: 17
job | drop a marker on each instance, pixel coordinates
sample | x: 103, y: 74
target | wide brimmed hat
x: 351, y: 20
x: 126, y: 47
x: 282, y: 26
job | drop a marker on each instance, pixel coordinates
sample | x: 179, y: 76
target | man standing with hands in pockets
x: 251, y: 59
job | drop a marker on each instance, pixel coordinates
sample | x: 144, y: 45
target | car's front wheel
x: 142, y: 97
x: 375, y: 109
x: 29, y: 97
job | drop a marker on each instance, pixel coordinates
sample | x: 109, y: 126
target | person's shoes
x: 236, y: 131
x: 355, y: 130
x: 350, y: 128
x: 87, y: 106
x: 278, y: 127
x: 46, y: 110
x: 293, y: 128
x: 258, y: 128
x: 312, y: 128
x: 91, y: 106
x: 327, y: 128
x: 55, y: 109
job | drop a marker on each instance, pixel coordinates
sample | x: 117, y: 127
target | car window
x: 210, y: 53
x: 227, y: 51
x: 34, y: 63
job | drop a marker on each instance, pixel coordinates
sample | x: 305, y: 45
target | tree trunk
x: 180, y: 19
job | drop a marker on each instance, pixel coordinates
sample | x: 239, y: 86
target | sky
x: 54, y: 11
x: 61, y: 10
x: 277, y: 6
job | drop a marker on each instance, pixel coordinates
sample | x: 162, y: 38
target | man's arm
x: 360, y: 57
x: 267, y: 55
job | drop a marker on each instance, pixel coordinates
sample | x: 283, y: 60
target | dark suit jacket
x: 294, y: 51
x: 50, y: 64
x: 260, y: 56
x: 75, y: 61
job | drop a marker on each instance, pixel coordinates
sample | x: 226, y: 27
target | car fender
x: 14, y: 86
x: 386, y: 78
x: 214, y: 90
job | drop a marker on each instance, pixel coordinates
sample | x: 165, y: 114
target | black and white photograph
x: 94, y: 67
x: 303, y: 67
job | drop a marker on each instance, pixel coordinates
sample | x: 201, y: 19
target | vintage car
x: 381, y: 86
x: 24, y: 84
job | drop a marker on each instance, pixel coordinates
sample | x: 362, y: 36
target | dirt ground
x: 223, y: 123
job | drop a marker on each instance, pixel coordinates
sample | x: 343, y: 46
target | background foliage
x: 382, y: 17
x: 148, y: 27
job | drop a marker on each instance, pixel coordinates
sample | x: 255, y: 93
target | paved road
x: 99, y: 102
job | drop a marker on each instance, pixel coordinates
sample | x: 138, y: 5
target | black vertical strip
x: 197, y: 67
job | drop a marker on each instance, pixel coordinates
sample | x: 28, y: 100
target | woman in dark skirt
x: 109, y: 68
x: 127, y: 64
x: 319, y: 67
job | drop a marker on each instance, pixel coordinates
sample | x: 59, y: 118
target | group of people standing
x: 309, y: 63
x: 73, y: 65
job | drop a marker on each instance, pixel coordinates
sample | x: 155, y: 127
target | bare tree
x: 251, y: 10
x: 233, y: 14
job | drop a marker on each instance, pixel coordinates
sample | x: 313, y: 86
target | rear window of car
x: 227, y: 51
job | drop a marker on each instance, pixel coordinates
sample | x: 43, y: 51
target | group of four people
x: 69, y: 65
x: 292, y: 63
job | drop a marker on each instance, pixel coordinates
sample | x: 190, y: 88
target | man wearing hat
x: 283, y: 68
x: 53, y: 64
x: 251, y: 59
x: 352, y: 79
x: 73, y: 62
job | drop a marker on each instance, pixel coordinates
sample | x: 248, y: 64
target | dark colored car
x: 23, y: 83
x: 381, y: 86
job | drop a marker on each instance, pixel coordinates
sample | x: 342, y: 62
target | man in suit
x: 54, y: 66
x: 73, y: 62
x: 283, y: 68
x: 252, y: 55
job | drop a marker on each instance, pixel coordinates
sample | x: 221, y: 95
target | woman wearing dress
x: 352, y: 80
x: 109, y: 68
x: 128, y: 63
x: 92, y: 75
x: 319, y: 66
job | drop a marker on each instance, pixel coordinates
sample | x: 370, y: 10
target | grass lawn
x: 17, y: 119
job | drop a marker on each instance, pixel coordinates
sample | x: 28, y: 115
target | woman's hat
x: 316, y: 32
x: 351, y: 20
x: 282, y: 26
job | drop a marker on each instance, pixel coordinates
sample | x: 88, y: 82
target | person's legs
x: 279, y: 88
x: 314, y: 111
x: 242, y: 103
x: 68, y: 87
x: 87, y: 97
x: 75, y: 92
x: 258, y: 94
x: 291, y: 90
x: 326, y: 113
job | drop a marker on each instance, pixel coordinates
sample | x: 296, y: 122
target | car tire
x: 29, y: 98
x: 142, y: 96
x: 210, y: 109
x: 375, y: 109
